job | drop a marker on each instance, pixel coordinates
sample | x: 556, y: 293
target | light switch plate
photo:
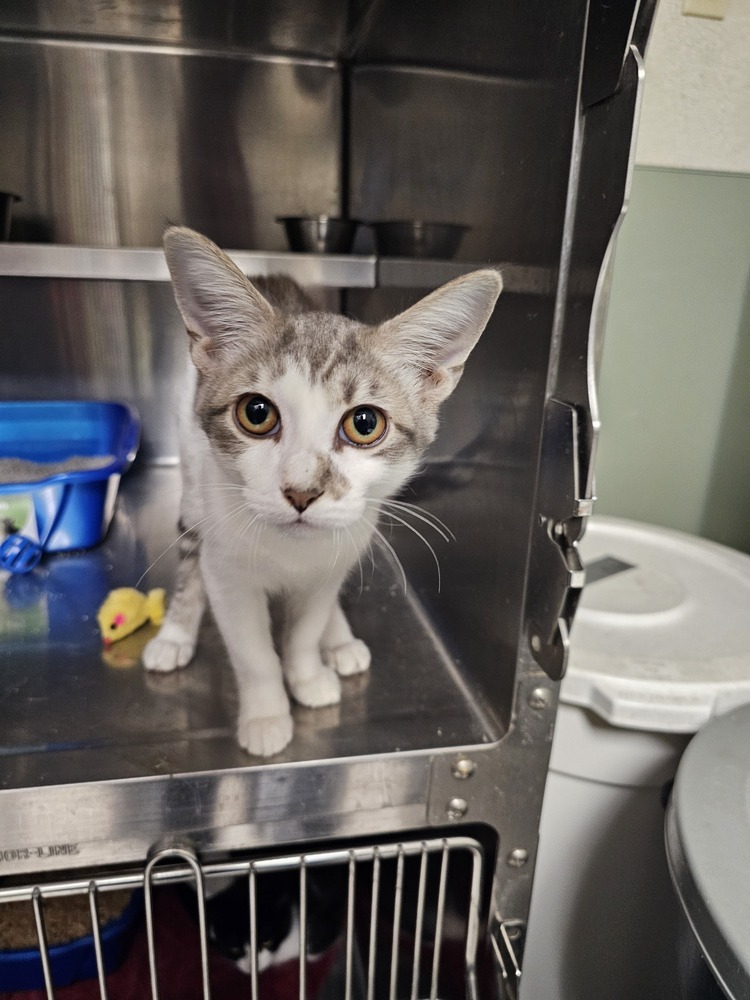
x: 716, y: 9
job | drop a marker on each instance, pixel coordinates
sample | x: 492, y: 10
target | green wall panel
x: 675, y: 376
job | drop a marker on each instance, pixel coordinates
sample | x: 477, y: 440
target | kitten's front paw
x: 323, y: 688
x: 165, y: 655
x: 267, y: 736
x: 350, y: 658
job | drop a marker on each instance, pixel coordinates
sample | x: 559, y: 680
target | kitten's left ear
x: 437, y: 335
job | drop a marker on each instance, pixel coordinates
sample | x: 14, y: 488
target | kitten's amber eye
x: 256, y: 415
x: 363, y: 425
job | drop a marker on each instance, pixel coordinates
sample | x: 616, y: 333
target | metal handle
x: 187, y: 856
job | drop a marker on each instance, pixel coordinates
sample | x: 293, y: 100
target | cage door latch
x: 555, y: 569
x: 507, y: 937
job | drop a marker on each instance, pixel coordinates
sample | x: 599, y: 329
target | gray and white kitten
x: 301, y: 423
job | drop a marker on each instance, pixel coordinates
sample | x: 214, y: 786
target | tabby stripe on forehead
x: 327, y: 372
x: 348, y: 392
x: 331, y: 361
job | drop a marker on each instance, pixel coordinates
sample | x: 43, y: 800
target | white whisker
x: 255, y: 542
x: 218, y: 526
x: 419, y: 535
x: 177, y: 540
x: 371, y: 554
x: 416, y: 509
x: 245, y: 526
x: 222, y: 487
x: 358, y: 552
x: 332, y: 560
x: 334, y: 557
x: 379, y: 534
x: 421, y: 514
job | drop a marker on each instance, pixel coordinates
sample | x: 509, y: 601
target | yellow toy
x: 126, y: 609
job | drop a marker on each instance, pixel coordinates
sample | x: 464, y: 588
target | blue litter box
x: 60, y: 468
x: 74, y: 961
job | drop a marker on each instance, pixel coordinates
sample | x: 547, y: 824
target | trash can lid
x: 661, y: 639
x: 708, y: 845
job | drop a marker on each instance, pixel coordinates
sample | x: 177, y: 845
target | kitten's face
x: 315, y: 415
x: 314, y: 431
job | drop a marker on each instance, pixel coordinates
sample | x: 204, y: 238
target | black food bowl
x: 7, y: 200
x: 417, y: 239
x: 318, y: 233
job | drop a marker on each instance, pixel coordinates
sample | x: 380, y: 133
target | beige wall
x: 696, y: 111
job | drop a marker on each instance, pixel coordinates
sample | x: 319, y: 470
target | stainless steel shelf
x: 402, y: 272
x: 33, y: 260
x: 50, y: 260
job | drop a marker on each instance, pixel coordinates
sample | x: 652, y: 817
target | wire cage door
x: 397, y: 921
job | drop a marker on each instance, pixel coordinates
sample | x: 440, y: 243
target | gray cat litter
x: 21, y: 470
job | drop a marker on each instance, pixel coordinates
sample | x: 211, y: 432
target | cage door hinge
x: 555, y: 570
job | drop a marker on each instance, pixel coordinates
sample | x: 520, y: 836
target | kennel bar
x: 172, y: 866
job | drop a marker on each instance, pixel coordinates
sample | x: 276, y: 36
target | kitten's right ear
x: 219, y: 305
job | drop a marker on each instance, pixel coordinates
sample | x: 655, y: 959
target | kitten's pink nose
x: 301, y: 499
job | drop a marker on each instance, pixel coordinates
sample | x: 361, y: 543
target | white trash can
x: 661, y: 643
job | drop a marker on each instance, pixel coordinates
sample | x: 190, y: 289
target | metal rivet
x: 540, y: 698
x: 518, y: 857
x: 536, y: 643
x: 463, y: 768
x: 457, y: 808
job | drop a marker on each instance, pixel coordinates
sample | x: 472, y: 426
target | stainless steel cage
x: 515, y: 120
